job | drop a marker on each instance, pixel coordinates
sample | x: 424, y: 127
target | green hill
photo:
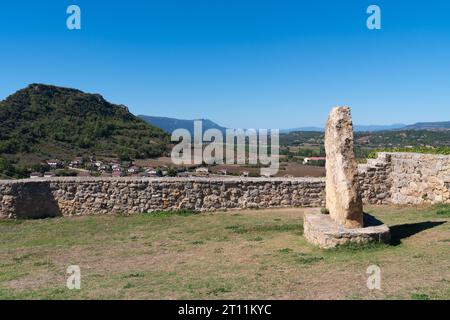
x: 42, y: 122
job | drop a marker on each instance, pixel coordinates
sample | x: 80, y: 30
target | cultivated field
x: 289, y: 168
x: 247, y: 254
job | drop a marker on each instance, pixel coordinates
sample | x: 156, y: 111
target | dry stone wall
x: 397, y: 178
x: 406, y: 179
x: 374, y: 180
x: 419, y: 178
x: 87, y: 196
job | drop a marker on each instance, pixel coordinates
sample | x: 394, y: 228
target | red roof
x: 316, y: 158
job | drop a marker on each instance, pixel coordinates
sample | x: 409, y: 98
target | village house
x: 49, y: 175
x: 245, y: 173
x: 202, y: 171
x: 76, y: 163
x: 117, y: 174
x: 151, y: 172
x: 164, y: 170
x: 133, y: 169
x: 266, y: 175
x: 104, y: 167
x: 313, y: 159
x: 35, y: 175
x: 98, y: 164
x: 54, y: 163
x: 183, y: 174
x: 115, y: 166
x: 143, y: 174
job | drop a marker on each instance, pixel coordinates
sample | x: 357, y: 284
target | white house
x: 36, y: 175
x: 54, y: 163
x: 310, y: 159
x: 202, y: 171
x: 49, y: 175
x: 151, y: 172
x: 245, y: 173
x: 77, y: 162
x: 133, y: 169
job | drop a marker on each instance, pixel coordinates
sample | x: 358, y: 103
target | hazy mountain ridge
x: 444, y: 125
x: 171, y: 124
x: 357, y: 128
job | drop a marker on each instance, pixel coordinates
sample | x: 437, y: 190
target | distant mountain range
x: 170, y: 124
x: 362, y: 128
x: 445, y: 125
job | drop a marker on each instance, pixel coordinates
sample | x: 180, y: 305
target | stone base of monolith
x: 321, y: 230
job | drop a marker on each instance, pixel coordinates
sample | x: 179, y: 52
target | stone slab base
x: 321, y: 230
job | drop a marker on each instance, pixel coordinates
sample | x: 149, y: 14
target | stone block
x: 322, y: 230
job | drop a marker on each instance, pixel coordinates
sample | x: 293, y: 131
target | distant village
x: 92, y: 167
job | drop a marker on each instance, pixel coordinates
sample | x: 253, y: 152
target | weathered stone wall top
x: 415, y: 156
x: 213, y: 179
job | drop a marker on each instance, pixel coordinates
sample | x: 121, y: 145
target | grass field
x: 232, y: 255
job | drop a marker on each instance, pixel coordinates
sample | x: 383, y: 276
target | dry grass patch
x: 253, y: 254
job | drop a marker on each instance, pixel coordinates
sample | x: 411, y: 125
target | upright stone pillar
x: 346, y: 222
x: 343, y: 199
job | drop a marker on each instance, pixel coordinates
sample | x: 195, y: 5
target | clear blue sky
x: 241, y: 63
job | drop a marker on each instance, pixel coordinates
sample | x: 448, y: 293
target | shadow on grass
x: 403, y: 231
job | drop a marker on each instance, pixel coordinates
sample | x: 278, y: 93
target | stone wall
x: 374, y: 180
x: 406, y: 179
x: 419, y: 178
x: 34, y: 198
x: 397, y: 178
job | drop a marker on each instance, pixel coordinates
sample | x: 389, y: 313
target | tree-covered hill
x: 381, y: 139
x: 42, y: 122
x: 367, y: 144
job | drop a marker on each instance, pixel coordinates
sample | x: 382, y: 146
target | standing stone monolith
x: 343, y: 199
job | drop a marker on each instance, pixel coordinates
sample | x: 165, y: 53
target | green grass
x: 182, y: 212
x: 419, y: 296
x: 247, y: 255
x: 269, y: 227
x: 442, y: 210
x: 285, y: 250
x: 417, y: 149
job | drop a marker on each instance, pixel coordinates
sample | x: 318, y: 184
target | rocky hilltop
x: 43, y: 121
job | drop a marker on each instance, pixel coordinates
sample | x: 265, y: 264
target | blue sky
x: 261, y: 64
